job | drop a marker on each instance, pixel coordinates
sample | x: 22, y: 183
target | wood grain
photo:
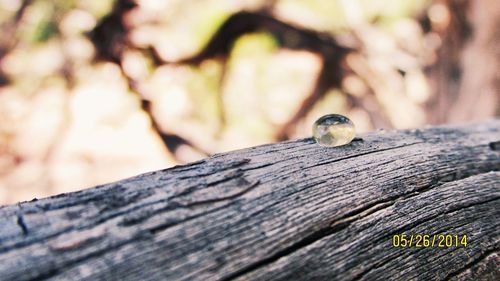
x: 287, y: 211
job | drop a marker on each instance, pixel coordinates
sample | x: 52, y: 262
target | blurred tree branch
x: 109, y: 37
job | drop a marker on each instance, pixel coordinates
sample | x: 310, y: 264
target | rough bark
x: 287, y: 211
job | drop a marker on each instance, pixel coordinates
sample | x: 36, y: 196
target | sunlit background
x: 93, y: 91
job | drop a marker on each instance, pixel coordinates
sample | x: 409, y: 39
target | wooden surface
x: 285, y: 211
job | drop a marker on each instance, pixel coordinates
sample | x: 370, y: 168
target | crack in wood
x: 495, y: 145
x: 421, y: 221
x: 164, y: 226
x: 473, y: 263
x: 375, y: 242
x: 359, y: 154
x: 145, y: 234
x: 235, y: 174
x: 22, y: 225
x: 315, y: 236
x: 342, y: 223
x: 223, y: 198
x: 434, y: 217
x: 215, y: 167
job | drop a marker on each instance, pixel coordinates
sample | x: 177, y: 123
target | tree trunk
x: 287, y: 211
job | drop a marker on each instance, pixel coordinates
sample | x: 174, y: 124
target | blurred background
x: 93, y: 91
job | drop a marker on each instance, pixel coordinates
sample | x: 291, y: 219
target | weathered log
x: 287, y: 211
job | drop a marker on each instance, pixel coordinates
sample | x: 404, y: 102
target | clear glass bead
x: 333, y: 130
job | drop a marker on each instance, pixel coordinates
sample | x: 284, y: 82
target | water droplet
x: 333, y: 130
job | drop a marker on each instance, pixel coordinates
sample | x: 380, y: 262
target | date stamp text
x: 428, y: 241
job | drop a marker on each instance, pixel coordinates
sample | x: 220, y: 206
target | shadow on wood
x: 285, y: 211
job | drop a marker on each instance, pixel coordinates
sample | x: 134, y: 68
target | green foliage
x: 254, y: 45
x: 45, y: 30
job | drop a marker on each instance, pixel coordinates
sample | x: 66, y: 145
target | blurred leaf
x: 45, y: 30
x: 208, y: 23
x: 204, y: 89
x: 254, y: 45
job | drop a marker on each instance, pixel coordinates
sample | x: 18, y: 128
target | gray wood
x: 285, y: 211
